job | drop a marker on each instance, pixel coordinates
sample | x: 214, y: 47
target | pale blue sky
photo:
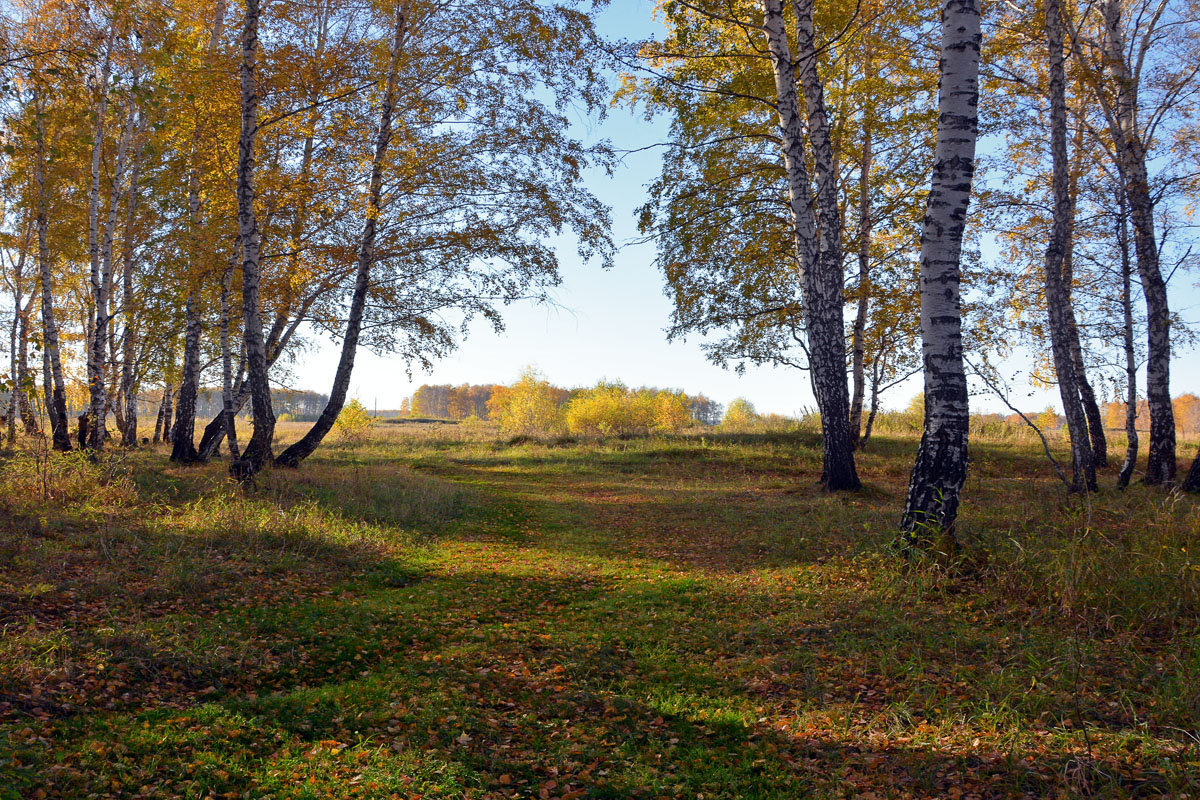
x: 610, y: 324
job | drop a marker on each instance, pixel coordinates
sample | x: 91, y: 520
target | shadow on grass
x: 477, y: 682
x: 106, y: 616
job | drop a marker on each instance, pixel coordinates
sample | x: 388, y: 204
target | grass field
x: 439, y: 614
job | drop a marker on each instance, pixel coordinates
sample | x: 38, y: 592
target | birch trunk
x: 1131, y: 158
x: 931, y: 507
x: 1058, y: 304
x: 292, y: 456
x: 827, y: 337
x: 858, y: 344
x: 817, y: 237
x: 53, y: 384
x: 872, y: 413
x: 258, y: 451
x: 168, y: 412
x: 102, y: 288
x: 128, y: 383
x: 14, y: 392
x: 1087, y: 394
x: 183, y: 445
x: 24, y: 380
x: 227, y: 412
x: 1191, y: 481
x: 1131, y: 433
x: 97, y: 345
x: 160, y: 418
x: 277, y: 340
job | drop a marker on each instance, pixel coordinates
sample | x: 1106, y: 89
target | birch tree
x: 183, y: 447
x: 1141, y: 62
x: 1058, y: 306
x: 296, y: 453
x: 931, y: 507
x: 258, y: 451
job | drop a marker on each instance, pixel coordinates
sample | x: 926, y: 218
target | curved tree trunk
x: 168, y: 412
x: 183, y: 446
x: 161, y: 417
x: 1191, y: 482
x: 816, y: 247
x: 1058, y: 304
x: 16, y: 336
x: 102, y: 290
x: 98, y: 344
x: 277, y: 341
x: 292, y: 456
x: 15, y: 390
x: 829, y: 311
x: 1087, y: 394
x: 931, y: 508
x: 871, y: 414
x: 258, y: 452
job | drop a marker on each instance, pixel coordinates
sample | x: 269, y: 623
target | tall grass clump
x: 32, y: 481
x: 1128, y: 577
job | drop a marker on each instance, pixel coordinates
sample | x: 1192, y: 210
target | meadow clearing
x: 436, y: 612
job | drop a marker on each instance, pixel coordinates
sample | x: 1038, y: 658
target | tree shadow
x: 546, y: 686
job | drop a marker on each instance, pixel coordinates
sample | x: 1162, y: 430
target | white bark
x: 258, y: 451
x: 293, y: 455
x: 817, y: 235
x: 931, y: 507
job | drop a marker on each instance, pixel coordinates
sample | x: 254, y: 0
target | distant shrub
x: 809, y: 421
x: 608, y: 409
x: 353, y: 423
x: 612, y: 409
x: 672, y: 412
x: 1047, y: 421
x: 907, y: 421
x: 740, y: 416
x: 780, y: 423
x: 286, y: 418
x: 527, y: 408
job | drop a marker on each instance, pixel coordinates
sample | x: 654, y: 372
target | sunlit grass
x: 439, y: 612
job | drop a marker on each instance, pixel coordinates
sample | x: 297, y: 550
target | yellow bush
x: 611, y: 409
x: 526, y: 408
x: 353, y: 423
x: 602, y: 411
x: 740, y: 415
x: 672, y: 413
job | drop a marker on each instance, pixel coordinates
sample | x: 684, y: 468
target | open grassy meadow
x: 438, y: 613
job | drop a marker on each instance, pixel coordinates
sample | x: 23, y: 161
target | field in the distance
x: 438, y: 613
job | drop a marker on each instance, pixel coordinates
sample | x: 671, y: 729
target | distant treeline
x: 446, y: 401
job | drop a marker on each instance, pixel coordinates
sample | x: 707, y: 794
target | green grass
x: 439, y: 614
